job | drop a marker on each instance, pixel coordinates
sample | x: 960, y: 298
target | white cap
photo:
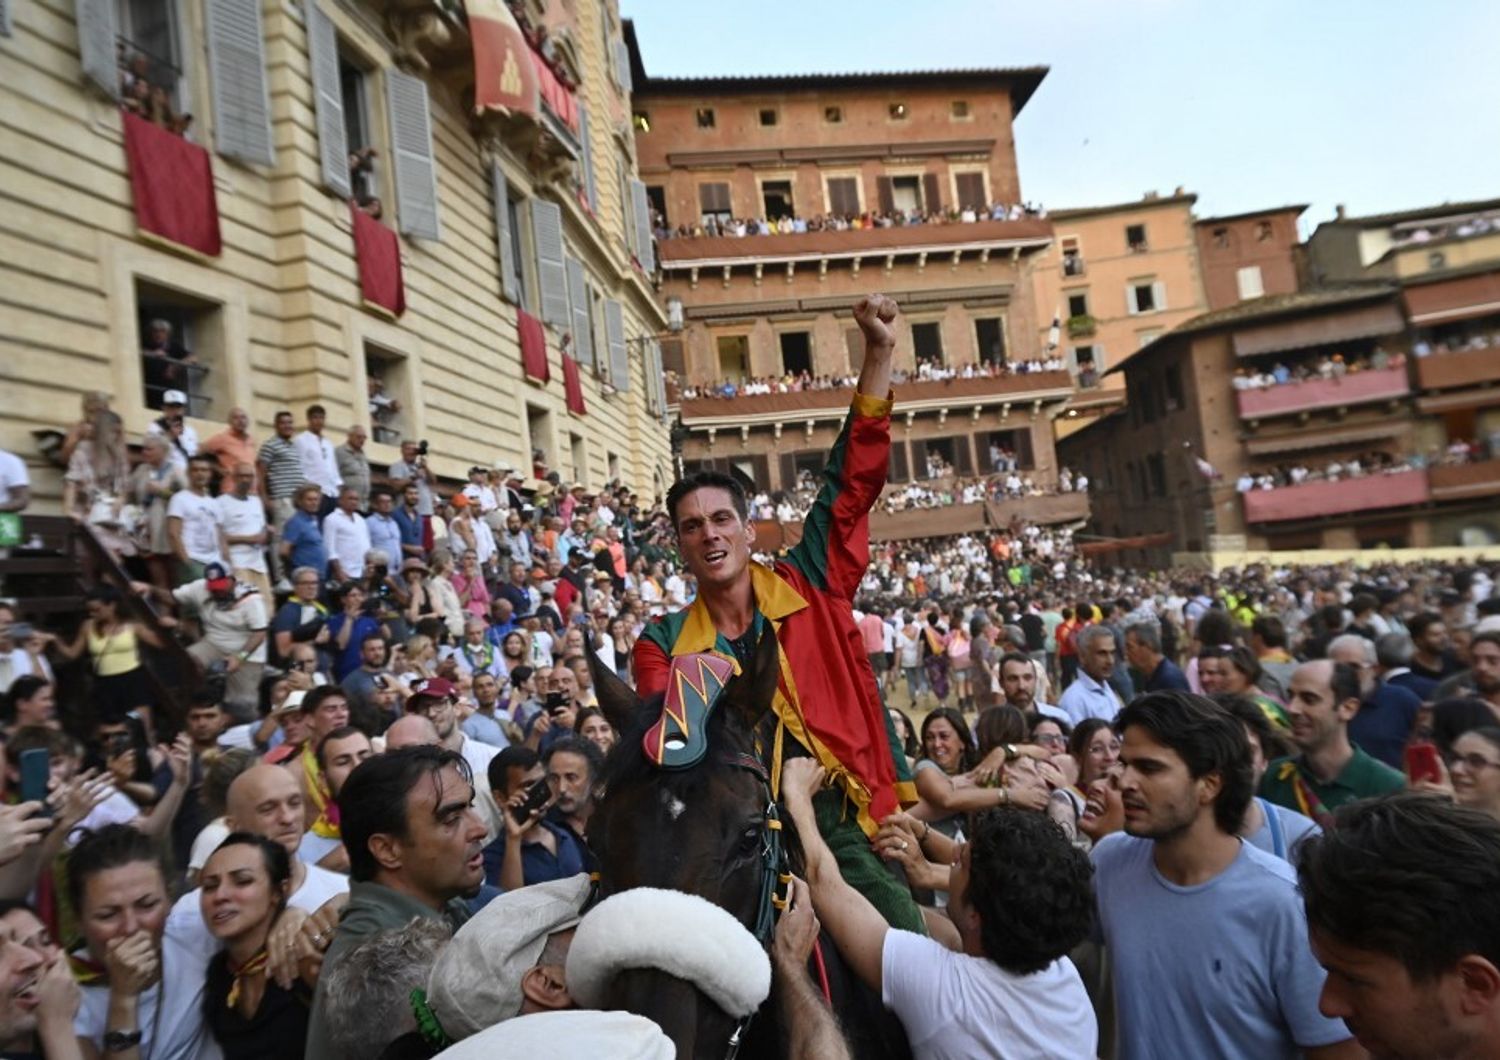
x: 174, y: 397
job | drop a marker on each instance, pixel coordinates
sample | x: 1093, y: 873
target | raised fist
x: 876, y: 314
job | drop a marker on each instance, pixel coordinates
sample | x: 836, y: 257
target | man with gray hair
x: 1387, y: 713
x: 1143, y: 651
x: 1090, y: 696
x: 1393, y: 652
x: 378, y: 976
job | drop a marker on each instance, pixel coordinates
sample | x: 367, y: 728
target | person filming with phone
x: 532, y: 849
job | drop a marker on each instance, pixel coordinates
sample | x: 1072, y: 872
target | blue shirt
x: 1087, y: 698
x: 1167, y: 675
x: 498, y: 631
x: 538, y: 864
x: 478, y: 726
x: 1385, y: 722
x: 410, y: 527
x: 1219, y: 969
x: 385, y: 535
x: 305, y: 536
x: 347, y: 661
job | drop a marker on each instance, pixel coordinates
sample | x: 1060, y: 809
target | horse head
x: 686, y: 808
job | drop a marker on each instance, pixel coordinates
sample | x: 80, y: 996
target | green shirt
x: 1362, y: 777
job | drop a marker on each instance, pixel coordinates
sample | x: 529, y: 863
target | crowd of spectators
x: 1326, y: 366
x: 926, y: 369
x: 147, y: 88
x: 1374, y: 462
x: 1472, y: 340
x: 712, y: 225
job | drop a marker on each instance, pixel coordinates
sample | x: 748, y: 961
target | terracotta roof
x: 1298, y: 208
x: 1445, y: 209
x: 1143, y: 203
x: 678, y: 252
x: 1023, y: 80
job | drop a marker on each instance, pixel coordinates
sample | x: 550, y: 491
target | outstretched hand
x: 800, y: 780
x: 876, y: 315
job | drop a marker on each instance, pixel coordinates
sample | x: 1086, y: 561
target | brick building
x: 936, y: 147
x: 1249, y: 255
x: 285, y: 294
x: 1396, y: 364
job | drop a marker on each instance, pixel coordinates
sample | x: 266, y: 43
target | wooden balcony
x: 1463, y: 481
x: 941, y: 522
x: 1356, y: 388
x: 1451, y: 371
x: 1312, y: 500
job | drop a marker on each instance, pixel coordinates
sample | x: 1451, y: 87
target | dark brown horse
x: 703, y: 830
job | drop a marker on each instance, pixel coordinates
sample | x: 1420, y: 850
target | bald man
x: 265, y: 800
x: 409, y: 731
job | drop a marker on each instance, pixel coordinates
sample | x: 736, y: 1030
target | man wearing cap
x: 437, y: 701
x: 319, y: 465
x: 827, y: 703
x: 234, y: 620
x: 415, y: 848
x: 174, y: 407
x: 354, y: 466
x: 481, y: 494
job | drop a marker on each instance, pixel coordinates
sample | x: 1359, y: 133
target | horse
x: 712, y: 829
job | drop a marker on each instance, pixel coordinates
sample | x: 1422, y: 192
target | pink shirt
x: 873, y: 631
x: 479, y: 593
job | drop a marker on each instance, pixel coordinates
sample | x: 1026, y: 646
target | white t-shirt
x: 12, y: 475
x: 178, y: 1031
x: 185, y: 922
x: 228, y: 626
x: 243, y: 518
x: 200, y: 525
x: 957, y: 1007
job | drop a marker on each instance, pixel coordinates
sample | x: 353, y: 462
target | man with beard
x: 415, y: 848
x: 1205, y: 932
x: 1018, y: 676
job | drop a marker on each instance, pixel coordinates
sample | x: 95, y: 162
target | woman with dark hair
x: 30, y: 700
x: 244, y: 888
x: 1096, y: 750
x: 906, y: 738
x: 1474, y: 769
x: 949, y: 792
x: 1236, y: 672
x: 1214, y: 629
x: 1049, y: 733
x: 112, y: 641
x: 594, y: 727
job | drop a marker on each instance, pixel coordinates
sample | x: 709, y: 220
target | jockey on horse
x: 827, y: 703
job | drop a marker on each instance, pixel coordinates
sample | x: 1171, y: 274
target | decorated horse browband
x: 679, y: 739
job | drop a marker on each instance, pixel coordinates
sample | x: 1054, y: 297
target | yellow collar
x: 774, y: 598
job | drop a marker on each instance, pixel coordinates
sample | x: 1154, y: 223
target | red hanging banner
x: 172, y: 182
x: 573, y: 386
x: 533, y: 347
x: 377, y: 250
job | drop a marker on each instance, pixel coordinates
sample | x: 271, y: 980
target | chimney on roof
x: 1338, y: 211
x: 1152, y: 194
x: 1179, y: 191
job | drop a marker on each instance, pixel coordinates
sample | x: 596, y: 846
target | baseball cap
x: 459, y: 500
x: 216, y: 577
x: 436, y: 687
x: 476, y: 980
x: 174, y: 397
x: 292, y: 703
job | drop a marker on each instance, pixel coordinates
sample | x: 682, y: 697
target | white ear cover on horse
x: 674, y: 932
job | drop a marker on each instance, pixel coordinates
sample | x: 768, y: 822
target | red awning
x: 533, y: 347
x: 172, y: 182
x: 377, y: 250
x: 504, y: 74
x: 1459, y: 299
x: 572, y: 386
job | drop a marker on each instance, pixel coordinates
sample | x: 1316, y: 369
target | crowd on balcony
x: 927, y: 369
x: 740, y: 227
x: 1477, y: 340
x: 1462, y: 229
x: 1323, y: 367
x: 147, y: 85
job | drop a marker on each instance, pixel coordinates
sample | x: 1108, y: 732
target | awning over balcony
x: 1348, y: 325
x: 505, y: 74
x: 1456, y: 299
x: 1313, y: 500
x: 1306, y: 441
x: 1450, y: 371
x: 1355, y: 388
x: 1462, y: 481
x: 172, y: 182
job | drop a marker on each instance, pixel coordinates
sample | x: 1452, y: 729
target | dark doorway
x: 991, y: 338
x: 796, y: 352
x: 777, y: 195
x: 927, y: 342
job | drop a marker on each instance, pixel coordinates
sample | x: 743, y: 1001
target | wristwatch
x: 119, y: 1041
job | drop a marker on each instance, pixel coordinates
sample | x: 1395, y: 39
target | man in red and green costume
x: 827, y: 702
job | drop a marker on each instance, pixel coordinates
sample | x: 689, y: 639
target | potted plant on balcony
x: 1081, y: 326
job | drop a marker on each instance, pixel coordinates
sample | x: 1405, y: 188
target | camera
x: 422, y: 447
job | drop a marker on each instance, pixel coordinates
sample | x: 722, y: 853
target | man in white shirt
x: 15, y: 483
x: 235, y: 625
x: 193, y: 522
x: 1020, y: 899
x: 242, y: 515
x: 319, y: 464
x: 1090, y: 696
x: 674, y: 592
x: 347, y: 538
x: 266, y: 800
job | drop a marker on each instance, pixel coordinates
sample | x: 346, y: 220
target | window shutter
x: 658, y: 379
x: 591, y: 190
x: 713, y: 198
x: 1159, y: 295
x: 411, y: 140
x: 931, y: 200
x: 552, y: 273
x: 619, y: 360
x: 963, y: 455
x: 645, y: 248
x: 328, y: 97
x: 1130, y: 303
x: 970, y: 190
x: 583, y: 323
x: 788, y: 471
x: 510, y: 283
x: 98, y: 25
x: 5, y: 30
x: 622, y: 66
x: 237, y: 65
x: 854, y: 342
x: 843, y: 195
x: 1099, y: 362
x: 1072, y: 361
x: 898, y: 469
x: 886, y: 194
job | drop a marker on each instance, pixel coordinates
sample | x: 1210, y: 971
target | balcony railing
x: 1311, y: 500
x: 1462, y: 481
x: 1355, y: 388
x: 1450, y: 371
x: 799, y: 403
